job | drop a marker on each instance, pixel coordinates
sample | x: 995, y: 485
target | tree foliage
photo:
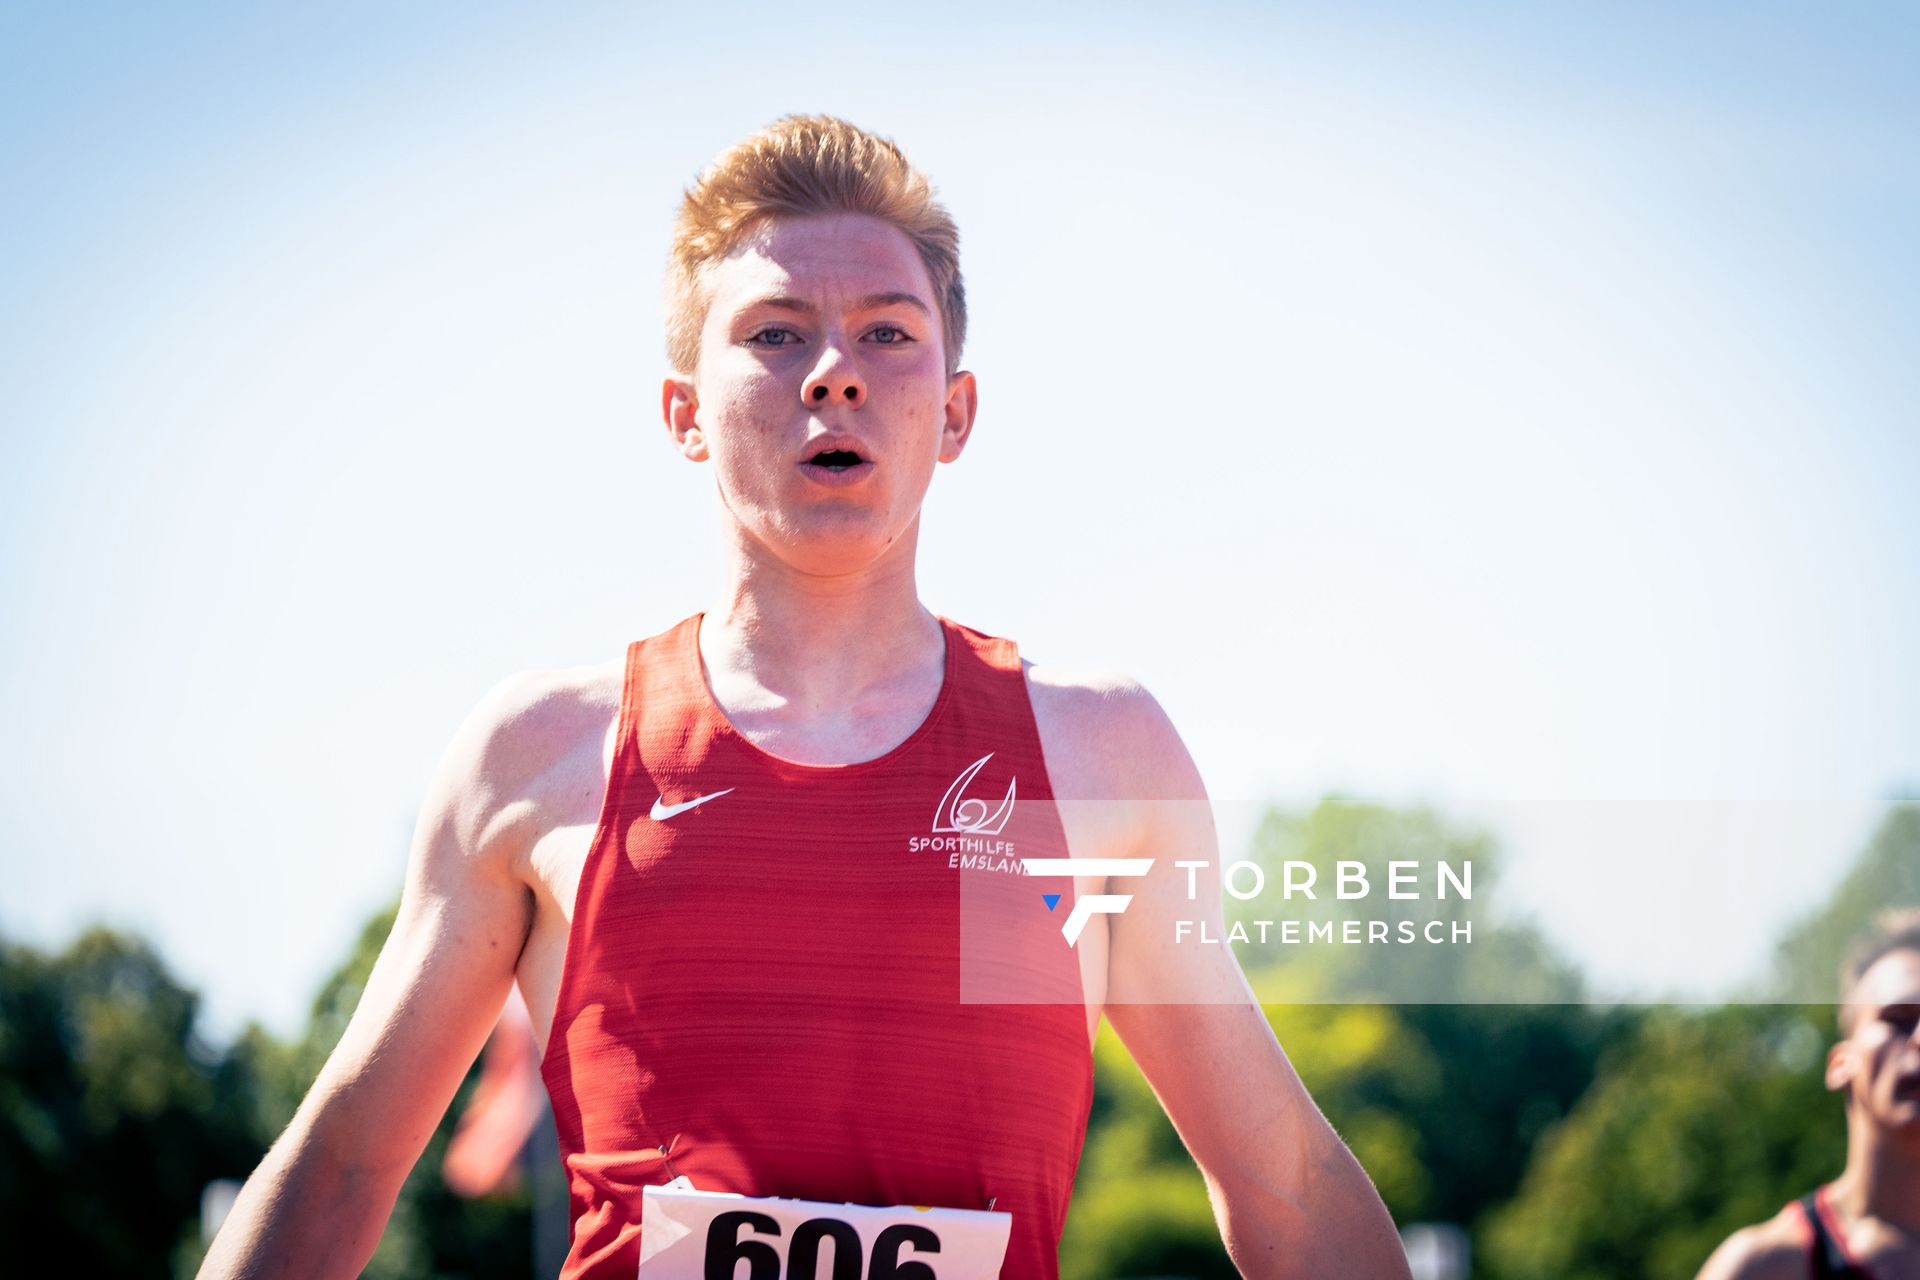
x: 113, y: 1112
x: 1704, y: 1121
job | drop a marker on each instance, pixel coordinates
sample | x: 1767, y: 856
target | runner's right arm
x: 321, y: 1197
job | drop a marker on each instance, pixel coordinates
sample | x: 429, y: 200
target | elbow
x: 1314, y: 1215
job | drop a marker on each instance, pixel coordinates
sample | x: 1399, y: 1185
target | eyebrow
x: 872, y: 302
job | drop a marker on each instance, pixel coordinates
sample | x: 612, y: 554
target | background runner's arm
x: 1770, y: 1251
x: 321, y: 1197
x: 1290, y: 1198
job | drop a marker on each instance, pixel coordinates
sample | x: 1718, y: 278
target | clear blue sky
x: 1513, y: 408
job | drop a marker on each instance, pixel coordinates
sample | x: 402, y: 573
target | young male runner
x: 1864, y: 1225
x: 728, y: 870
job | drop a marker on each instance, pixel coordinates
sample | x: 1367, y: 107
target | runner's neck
x: 817, y: 640
x: 831, y: 681
x: 1881, y: 1183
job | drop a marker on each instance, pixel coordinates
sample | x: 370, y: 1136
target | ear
x: 1840, y: 1067
x: 963, y: 402
x: 680, y: 407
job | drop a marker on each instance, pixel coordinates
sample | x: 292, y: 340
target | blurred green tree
x: 1703, y: 1122
x: 1706, y: 1120
x: 114, y: 1113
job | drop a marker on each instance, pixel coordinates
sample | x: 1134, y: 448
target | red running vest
x: 763, y: 991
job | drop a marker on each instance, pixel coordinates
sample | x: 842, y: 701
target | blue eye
x: 774, y: 338
x: 893, y: 336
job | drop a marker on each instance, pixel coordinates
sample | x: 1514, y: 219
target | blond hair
x: 1892, y: 931
x: 801, y: 166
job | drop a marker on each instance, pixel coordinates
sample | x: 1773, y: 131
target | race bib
x: 713, y: 1235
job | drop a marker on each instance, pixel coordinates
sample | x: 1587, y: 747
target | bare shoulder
x: 1772, y: 1250
x: 1105, y: 726
x: 531, y: 749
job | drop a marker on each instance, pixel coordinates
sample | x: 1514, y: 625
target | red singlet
x: 762, y: 990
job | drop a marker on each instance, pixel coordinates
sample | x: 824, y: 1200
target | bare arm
x: 321, y: 1197
x: 1290, y: 1198
x: 1773, y: 1250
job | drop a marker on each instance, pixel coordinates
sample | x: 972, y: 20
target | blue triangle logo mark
x: 1052, y: 900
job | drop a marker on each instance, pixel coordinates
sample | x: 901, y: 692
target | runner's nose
x: 835, y: 381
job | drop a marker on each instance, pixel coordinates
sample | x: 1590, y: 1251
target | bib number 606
x: 739, y: 1236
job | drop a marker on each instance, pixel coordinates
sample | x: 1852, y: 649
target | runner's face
x: 1879, y: 1064
x: 822, y: 332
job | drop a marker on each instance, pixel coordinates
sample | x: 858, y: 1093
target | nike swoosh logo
x: 662, y: 810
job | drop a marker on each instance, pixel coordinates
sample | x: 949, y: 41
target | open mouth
x: 835, y: 459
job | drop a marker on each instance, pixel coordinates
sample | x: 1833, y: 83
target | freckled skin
x: 746, y: 408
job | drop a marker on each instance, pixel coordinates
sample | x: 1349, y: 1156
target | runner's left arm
x: 1289, y: 1196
